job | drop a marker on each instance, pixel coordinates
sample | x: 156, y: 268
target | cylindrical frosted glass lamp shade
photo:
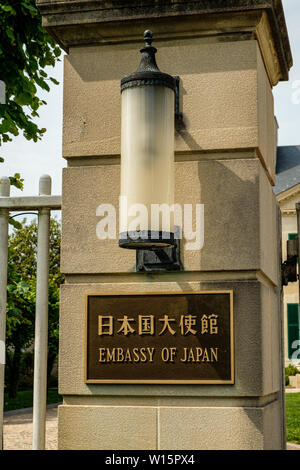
x: 147, y: 173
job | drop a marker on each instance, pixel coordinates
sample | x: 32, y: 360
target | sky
x: 287, y: 94
x: 32, y: 160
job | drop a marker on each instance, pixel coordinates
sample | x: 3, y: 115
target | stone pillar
x: 228, y: 59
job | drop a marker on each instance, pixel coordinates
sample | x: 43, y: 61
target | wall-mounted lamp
x: 147, y: 152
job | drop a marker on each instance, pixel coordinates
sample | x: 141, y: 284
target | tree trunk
x: 14, y: 373
x: 50, y: 363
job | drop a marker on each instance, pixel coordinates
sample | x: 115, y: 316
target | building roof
x: 287, y: 168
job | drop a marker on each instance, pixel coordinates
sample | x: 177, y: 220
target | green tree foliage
x: 21, y: 296
x: 291, y: 370
x: 26, y: 49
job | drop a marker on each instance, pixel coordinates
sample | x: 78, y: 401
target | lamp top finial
x: 148, y: 72
x: 148, y: 37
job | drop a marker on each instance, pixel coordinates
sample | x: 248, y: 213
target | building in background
x: 287, y: 190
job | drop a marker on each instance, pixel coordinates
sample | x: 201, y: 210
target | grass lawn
x: 25, y: 399
x: 292, y: 401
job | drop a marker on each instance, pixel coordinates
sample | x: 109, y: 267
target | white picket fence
x: 43, y: 203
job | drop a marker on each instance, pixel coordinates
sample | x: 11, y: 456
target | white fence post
x: 41, y: 322
x: 4, y: 215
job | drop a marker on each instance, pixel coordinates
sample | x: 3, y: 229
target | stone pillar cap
x: 92, y: 22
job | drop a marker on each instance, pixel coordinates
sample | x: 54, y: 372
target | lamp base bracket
x: 163, y: 259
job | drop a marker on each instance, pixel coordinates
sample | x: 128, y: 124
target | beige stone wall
x: 243, y: 241
x: 169, y: 425
x: 288, y: 202
x: 290, y: 292
x: 225, y: 159
x: 226, y: 97
x: 256, y: 352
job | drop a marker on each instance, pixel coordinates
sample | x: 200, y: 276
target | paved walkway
x: 292, y: 447
x: 18, y: 430
x: 17, y: 433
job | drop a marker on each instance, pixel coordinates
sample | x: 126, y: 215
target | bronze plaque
x: 160, y: 338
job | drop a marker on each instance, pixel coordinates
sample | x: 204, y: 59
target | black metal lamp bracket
x: 178, y: 113
x: 164, y: 259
